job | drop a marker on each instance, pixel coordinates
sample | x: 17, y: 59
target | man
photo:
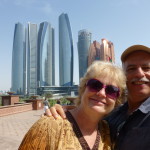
x: 130, y: 123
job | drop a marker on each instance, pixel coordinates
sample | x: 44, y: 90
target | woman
x: 100, y: 91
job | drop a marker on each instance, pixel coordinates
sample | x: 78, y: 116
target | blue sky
x: 123, y: 22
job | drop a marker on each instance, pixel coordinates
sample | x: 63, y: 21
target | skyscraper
x: 101, y: 51
x: 46, y: 57
x: 65, y: 51
x: 107, y: 51
x: 84, y: 41
x: 32, y: 59
x: 18, y: 60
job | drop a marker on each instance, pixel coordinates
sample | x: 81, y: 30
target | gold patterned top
x: 50, y: 134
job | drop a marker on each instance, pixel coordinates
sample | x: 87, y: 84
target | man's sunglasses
x: 95, y: 85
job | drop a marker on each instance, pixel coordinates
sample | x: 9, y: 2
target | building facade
x: 18, y: 71
x: 65, y: 51
x: 84, y: 41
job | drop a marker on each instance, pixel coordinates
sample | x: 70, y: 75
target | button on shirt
x: 131, y: 132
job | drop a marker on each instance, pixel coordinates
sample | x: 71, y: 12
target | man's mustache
x: 144, y: 79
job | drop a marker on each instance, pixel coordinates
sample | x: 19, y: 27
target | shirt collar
x: 145, y: 106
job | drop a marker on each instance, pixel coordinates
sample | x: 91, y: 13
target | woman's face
x: 100, y: 101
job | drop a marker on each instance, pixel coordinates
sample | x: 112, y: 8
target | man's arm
x: 58, y: 110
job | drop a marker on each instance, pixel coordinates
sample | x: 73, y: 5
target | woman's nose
x: 101, y: 93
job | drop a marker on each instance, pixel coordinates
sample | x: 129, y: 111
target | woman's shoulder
x: 38, y: 134
x: 49, y: 121
x: 46, y: 125
x: 51, y: 118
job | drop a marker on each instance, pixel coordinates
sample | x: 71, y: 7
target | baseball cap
x: 132, y: 49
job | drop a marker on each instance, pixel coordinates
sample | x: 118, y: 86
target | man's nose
x: 140, y: 72
x: 101, y: 93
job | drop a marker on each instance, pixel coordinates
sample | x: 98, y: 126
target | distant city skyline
x: 33, y: 59
x: 119, y: 21
x: 33, y: 56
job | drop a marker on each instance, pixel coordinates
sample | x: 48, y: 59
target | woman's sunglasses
x: 95, y: 85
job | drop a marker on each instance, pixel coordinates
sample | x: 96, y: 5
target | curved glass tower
x: 84, y: 41
x: 18, y: 60
x: 46, y: 57
x: 65, y: 51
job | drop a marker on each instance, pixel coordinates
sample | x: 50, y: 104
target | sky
x: 123, y: 22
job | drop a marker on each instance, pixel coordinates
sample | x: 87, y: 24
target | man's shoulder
x: 115, y: 118
x: 117, y: 115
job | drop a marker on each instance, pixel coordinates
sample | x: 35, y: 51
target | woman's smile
x: 97, y: 101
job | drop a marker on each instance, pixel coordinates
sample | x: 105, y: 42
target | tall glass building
x: 18, y: 60
x: 84, y: 41
x: 65, y: 51
x: 32, y: 59
x: 46, y: 56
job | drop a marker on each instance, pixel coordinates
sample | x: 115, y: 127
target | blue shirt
x: 131, y: 132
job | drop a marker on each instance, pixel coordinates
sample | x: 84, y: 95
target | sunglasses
x: 95, y: 85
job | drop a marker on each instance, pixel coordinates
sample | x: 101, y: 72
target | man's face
x: 137, y: 70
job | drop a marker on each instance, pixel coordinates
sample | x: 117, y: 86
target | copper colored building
x: 101, y: 51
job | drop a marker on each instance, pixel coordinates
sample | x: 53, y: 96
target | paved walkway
x: 13, y: 128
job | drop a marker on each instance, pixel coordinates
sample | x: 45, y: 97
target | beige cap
x: 134, y: 48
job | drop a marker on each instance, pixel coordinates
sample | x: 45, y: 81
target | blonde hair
x: 101, y: 69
